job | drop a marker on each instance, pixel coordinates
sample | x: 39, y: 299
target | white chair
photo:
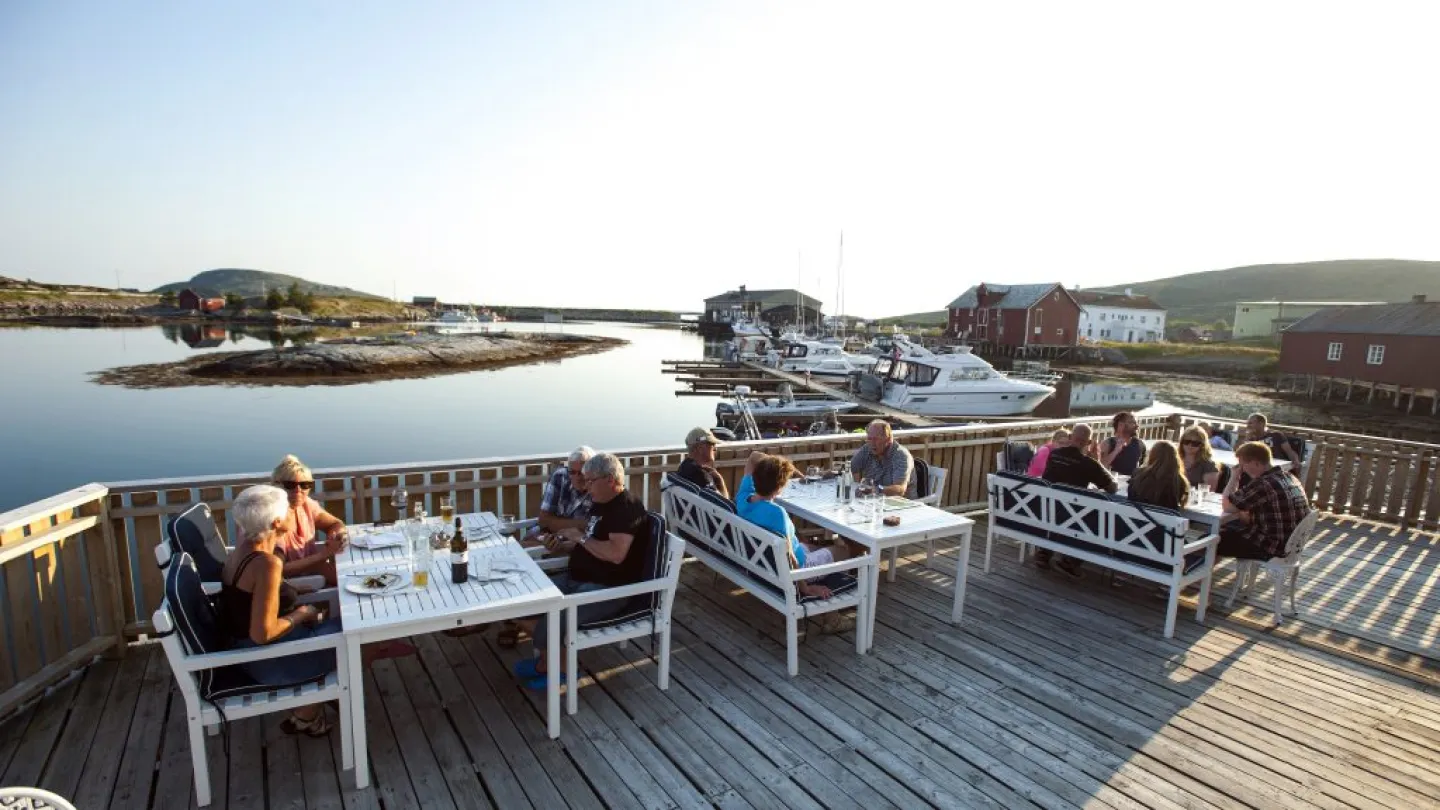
x: 214, y: 690
x: 28, y: 798
x: 1284, y: 570
x: 194, y: 532
x: 936, y: 478
x: 647, y: 612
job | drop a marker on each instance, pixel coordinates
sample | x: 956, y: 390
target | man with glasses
x: 609, y: 552
x: 699, y: 465
x: 565, y: 503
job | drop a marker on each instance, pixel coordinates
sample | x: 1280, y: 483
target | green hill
x: 254, y: 283
x: 1211, y: 295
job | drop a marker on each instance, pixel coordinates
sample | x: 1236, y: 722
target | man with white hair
x: 609, y: 552
x: 565, y: 504
x: 885, y: 461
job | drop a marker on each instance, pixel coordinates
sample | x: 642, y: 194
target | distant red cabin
x: 191, y: 300
x: 1390, y: 344
x: 1016, y: 315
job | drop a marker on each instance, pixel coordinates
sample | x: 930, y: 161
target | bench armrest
x: 1202, y: 543
x: 854, y: 563
x: 326, y: 596
x: 276, y: 649
x: 619, y: 592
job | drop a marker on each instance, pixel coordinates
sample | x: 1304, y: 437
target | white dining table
x: 919, y: 523
x: 441, y: 605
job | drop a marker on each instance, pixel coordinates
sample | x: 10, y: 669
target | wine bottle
x: 459, y: 556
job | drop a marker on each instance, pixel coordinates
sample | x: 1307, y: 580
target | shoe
x: 1070, y: 568
x: 834, y: 623
x: 317, y: 726
x: 541, y: 681
x: 527, y: 668
x: 1042, y: 562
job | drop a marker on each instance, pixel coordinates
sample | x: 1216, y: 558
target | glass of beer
x: 447, y: 509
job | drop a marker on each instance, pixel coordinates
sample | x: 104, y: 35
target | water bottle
x: 847, y: 486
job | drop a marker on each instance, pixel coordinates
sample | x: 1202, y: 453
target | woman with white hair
x: 257, y: 607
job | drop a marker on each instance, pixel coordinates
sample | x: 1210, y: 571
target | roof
x: 1017, y: 296
x: 1374, y: 319
x: 767, y: 299
x: 1309, y: 303
x: 1116, y: 299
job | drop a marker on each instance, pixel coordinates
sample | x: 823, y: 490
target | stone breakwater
x: 357, y: 361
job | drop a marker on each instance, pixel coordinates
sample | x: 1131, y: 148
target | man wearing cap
x: 699, y: 464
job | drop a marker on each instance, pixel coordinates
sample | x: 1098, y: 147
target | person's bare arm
x: 266, y: 625
x: 755, y: 456
x: 611, y: 550
x: 718, y: 481
x: 1292, y: 455
x: 316, y: 563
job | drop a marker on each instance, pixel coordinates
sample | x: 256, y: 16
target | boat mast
x: 799, y: 280
x: 840, y: 289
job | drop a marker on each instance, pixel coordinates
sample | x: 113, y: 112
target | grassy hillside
x: 1211, y: 295
x: 939, y: 318
x: 254, y: 283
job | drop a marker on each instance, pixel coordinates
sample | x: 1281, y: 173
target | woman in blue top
x: 765, y: 476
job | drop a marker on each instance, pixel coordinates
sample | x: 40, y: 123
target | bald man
x: 884, y: 461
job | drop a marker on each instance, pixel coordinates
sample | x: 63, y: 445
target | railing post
x: 110, y: 610
x: 1417, y: 494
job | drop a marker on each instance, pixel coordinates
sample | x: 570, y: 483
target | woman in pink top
x: 1037, y: 464
x: 296, y: 542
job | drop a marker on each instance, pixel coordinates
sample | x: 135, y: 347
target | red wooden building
x: 1379, y: 344
x: 191, y: 300
x: 1016, y: 315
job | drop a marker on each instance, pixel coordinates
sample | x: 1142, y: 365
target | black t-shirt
x: 695, y: 474
x: 623, y: 514
x: 1067, y: 465
x: 1129, y: 459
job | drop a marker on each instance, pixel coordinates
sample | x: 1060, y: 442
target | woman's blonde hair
x: 1197, y: 433
x: 291, y: 469
x: 1060, y: 436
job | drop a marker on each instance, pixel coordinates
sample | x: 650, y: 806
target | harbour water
x: 58, y: 429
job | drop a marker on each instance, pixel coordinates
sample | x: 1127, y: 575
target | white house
x: 1122, y: 317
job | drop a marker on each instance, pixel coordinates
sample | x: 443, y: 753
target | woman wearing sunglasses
x: 1195, y: 457
x: 296, y: 543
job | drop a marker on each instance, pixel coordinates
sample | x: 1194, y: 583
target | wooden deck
x: 1052, y: 694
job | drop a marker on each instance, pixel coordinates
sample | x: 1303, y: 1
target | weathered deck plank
x: 1053, y: 694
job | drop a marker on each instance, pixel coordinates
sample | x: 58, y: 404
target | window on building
x: 1142, y: 319
x: 1376, y: 355
x: 1102, y: 316
x: 1334, y: 353
x: 984, y: 316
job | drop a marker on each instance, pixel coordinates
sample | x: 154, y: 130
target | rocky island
x: 357, y: 360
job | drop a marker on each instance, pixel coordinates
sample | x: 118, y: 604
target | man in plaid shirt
x: 884, y: 461
x: 1267, y: 508
x: 564, y: 503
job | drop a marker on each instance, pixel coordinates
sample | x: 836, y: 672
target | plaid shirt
x: 895, y: 467
x: 1276, y: 504
x: 562, y: 500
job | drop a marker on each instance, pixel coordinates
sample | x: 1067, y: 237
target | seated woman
x: 297, y: 543
x: 1160, y: 481
x: 1196, y: 460
x: 257, y: 607
x: 1059, y: 438
x: 765, y: 476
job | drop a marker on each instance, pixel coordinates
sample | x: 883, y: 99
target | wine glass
x: 507, y: 523
x: 399, y: 499
x: 812, y: 474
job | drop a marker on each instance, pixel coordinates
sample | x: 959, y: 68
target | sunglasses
x: 294, y: 485
x: 1192, y: 443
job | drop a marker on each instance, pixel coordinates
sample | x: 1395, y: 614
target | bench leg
x: 199, y: 763
x: 665, y: 657
x: 989, y: 538
x: 792, y: 645
x: 1173, y: 608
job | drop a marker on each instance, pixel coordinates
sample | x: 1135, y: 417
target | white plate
x: 356, y: 584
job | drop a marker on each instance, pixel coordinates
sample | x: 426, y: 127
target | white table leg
x: 874, y: 599
x: 357, y: 713
x: 961, y: 571
x: 552, y: 665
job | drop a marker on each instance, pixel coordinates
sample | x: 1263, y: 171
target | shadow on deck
x: 1053, y: 693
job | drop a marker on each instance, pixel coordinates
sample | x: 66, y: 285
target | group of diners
x: 1261, y: 504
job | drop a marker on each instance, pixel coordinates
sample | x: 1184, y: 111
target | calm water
x: 59, y: 430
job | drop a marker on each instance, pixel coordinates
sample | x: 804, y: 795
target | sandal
x: 510, y: 635
x: 317, y: 726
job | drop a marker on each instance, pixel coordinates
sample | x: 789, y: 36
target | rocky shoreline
x: 353, y: 361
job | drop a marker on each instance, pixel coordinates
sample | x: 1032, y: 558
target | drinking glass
x: 507, y: 523
x: 812, y: 474
x: 399, y: 499
x: 447, y: 509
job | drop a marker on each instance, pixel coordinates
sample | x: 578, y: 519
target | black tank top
x: 235, y: 604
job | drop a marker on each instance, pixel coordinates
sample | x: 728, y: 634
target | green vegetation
x: 1210, y: 296
x: 255, y: 283
x: 916, y: 319
x: 236, y: 303
x: 274, y: 300
x: 301, y: 300
x: 167, y: 298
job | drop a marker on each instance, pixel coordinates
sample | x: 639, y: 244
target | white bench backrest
x: 760, y: 552
x: 1060, y: 513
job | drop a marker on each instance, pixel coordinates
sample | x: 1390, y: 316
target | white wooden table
x: 441, y: 606
x: 919, y: 523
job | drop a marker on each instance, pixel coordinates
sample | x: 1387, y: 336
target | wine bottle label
x: 463, y: 558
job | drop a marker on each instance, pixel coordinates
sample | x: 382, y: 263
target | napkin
x: 378, y: 540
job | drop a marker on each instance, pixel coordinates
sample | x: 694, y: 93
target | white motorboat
x: 739, y: 416
x: 822, y: 359
x: 455, y: 316
x: 958, y: 384
x: 743, y: 327
x: 1110, y: 396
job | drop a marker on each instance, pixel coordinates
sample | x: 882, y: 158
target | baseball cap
x: 700, y: 435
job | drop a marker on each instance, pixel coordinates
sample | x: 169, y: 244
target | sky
x: 651, y: 154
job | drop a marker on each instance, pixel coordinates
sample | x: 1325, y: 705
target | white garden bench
x: 1146, y: 542
x: 758, y: 560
